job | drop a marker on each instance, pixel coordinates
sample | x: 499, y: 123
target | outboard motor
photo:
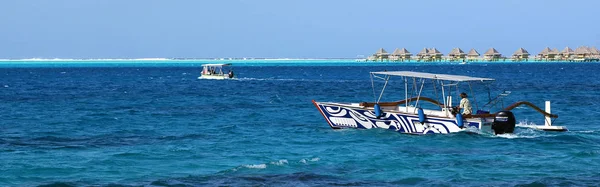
x: 504, y: 122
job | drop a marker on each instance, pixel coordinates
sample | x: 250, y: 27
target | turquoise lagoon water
x: 156, y: 124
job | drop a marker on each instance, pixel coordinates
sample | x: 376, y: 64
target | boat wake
x: 525, y: 133
x: 523, y: 130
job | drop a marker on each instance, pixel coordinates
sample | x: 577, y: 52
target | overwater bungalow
x: 473, y: 55
x: 582, y: 52
x: 492, y: 55
x: 435, y: 55
x: 556, y: 53
x: 400, y: 55
x: 381, y: 55
x: 457, y: 54
x: 542, y: 54
x: 520, y: 55
x: 423, y: 55
x: 547, y: 54
x: 567, y: 53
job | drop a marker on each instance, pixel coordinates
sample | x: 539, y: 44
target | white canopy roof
x: 446, y: 77
x: 215, y: 65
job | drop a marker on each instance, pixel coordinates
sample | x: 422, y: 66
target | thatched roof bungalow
x: 381, y: 54
x: 492, y: 55
x: 582, y: 52
x: 423, y: 54
x: 473, y: 55
x: 435, y: 54
x: 557, y: 54
x: 544, y: 52
x: 400, y: 54
x: 567, y: 53
x: 547, y: 54
x: 520, y: 55
x: 457, y: 54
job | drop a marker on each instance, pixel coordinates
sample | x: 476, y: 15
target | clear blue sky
x: 288, y: 28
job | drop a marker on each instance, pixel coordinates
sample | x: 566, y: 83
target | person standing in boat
x: 465, y: 104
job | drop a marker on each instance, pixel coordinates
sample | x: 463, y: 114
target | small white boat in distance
x: 216, y: 71
x: 420, y: 114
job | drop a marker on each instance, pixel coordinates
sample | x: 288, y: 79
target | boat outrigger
x: 215, y: 71
x: 412, y: 116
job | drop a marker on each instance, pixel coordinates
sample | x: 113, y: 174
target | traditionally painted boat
x: 419, y: 114
x: 216, y: 71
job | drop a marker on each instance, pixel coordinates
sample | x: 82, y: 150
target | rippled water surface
x: 161, y: 126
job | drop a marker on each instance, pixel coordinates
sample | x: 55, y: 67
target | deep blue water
x: 161, y: 126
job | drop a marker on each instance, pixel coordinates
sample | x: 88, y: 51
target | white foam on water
x: 525, y: 123
x: 280, y: 162
x: 262, y: 166
x: 586, y: 131
x: 305, y: 161
x: 475, y: 130
x: 526, y: 133
x: 472, y: 129
x: 508, y: 136
x: 255, y: 166
x: 525, y: 130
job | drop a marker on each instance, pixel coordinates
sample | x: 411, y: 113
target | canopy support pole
x: 406, y: 93
x: 387, y: 78
x: 419, y: 96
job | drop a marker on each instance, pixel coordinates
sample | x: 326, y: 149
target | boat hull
x: 349, y: 116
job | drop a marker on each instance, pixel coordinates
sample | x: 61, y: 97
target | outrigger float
x: 215, y: 71
x: 411, y: 115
